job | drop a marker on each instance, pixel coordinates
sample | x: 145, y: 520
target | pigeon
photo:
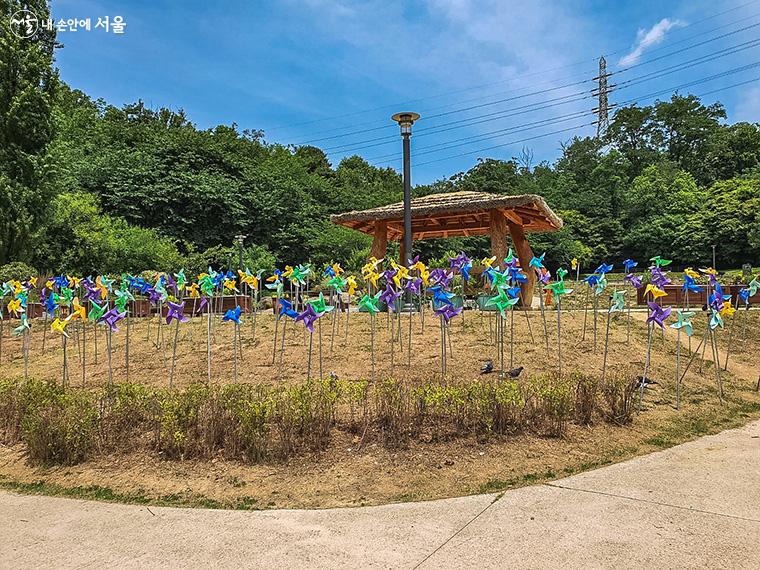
x: 487, y: 368
x: 515, y: 372
x: 645, y: 380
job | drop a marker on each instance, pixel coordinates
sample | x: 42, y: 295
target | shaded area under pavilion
x: 461, y: 214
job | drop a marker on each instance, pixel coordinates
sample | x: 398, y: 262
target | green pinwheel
x: 66, y: 297
x: 96, y: 311
x: 601, y: 285
x: 618, y: 301
x: 320, y: 306
x: 499, y: 279
x: 298, y: 275
x: 370, y: 304
x: 684, y: 323
x: 659, y: 261
x: 754, y: 287
x: 23, y: 327
x: 501, y: 301
x: 337, y: 283
x: 558, y: 289
x: 123, y: 296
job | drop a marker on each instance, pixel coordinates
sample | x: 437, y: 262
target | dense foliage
x: 86, y: 186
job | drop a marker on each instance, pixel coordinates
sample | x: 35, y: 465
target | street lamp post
x: 405, y: 121
x: 713, y: 247
x: 240, y: 238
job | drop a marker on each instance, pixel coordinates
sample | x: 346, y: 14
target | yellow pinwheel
x: 372, y: 277
x: 18, y: 287
x: 709, y: 271
x: 59, y: 325
x: 691, y: 273
x: 727, y: 309
x: 288, y: 271
x: 401, y: 273
x: 14, y: 306
x: 351, y: 282
x: 488, y: 261
x: 655, y: 291
x: 33, y: 281
x: 230, y: 285
x: 338, y: 269
x: 77, y: 311
x: 73, y: 281
x: 192, y: 290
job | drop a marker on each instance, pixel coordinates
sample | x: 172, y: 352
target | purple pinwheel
x: 309, y: 316
x: 440, y: 277
x: 715, y: 300
x: 91, y: 292
x: 176, y: 311
x: 659, y: 278
x: 172, y: 283
x: 447, y: 312
x: 633, y: 280
x: 389, y: 297
x: 545, y: 276
x: 413, y: 286
x: 389, y: 274
x: 286, y: 309
x: 658, y: 314
x: 111, y: 318
x: 153, y: 295
x: 201, y: 305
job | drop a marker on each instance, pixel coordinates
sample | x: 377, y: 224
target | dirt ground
x: 343, y: 475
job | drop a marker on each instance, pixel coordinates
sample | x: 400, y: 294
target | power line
x: 543, y: 71
x: 532, y: 107
x: 743, y: 68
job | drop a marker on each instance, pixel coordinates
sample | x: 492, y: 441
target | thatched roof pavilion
x: 460, y: 214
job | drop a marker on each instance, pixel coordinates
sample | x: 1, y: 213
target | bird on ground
x: 487, y: 368
x: 645, y: 380
x: 515, y: 372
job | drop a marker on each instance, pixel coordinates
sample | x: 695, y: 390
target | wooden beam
x: 524, y: 254
x: 498, y: 230
x: 380, y: 241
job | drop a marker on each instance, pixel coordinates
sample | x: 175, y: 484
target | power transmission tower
x: 602, y: 92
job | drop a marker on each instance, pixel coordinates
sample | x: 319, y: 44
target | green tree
x: 27, y: 88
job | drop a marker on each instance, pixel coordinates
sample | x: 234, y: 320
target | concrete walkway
x: 693, y: 506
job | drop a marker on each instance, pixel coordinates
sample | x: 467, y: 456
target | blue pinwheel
x: 232, y: 315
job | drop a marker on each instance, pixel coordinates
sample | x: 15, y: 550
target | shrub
x: 16, y: 270
x: 619, y: 393
x: 586, y: 388
x: 60, y: 427
x: 553, y: 401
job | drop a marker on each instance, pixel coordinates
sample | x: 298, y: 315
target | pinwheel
x: 233, y: 316
x: 15, y: 307
x: 575, y: 266
x: 446, y: 313
x: 558, y: 289
x: 683, y: 324
x: 629, y: 264
x: 59, y: 326
x: 617, y: 305
x: 654, y: 291
x: 689, y: 286
x: 659, y: 261
x: 657, y: 316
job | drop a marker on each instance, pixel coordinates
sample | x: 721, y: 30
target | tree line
x: 87, y: 187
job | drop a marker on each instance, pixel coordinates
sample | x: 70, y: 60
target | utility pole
x: 602, y: 91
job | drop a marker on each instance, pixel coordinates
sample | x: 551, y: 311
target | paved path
x: 693, y: 506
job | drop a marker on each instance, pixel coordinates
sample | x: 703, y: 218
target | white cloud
x: 648, y: 38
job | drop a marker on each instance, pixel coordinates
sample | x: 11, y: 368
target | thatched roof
x: 455, y: 214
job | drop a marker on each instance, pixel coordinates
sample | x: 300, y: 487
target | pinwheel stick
x: 319, y: 325
x: 235, y: 335
x: 208, y: 341
x: 559, y: 334
x: 512, y: 337
x: 372, y: 342
x: 65, y: 362
x: 26, y: 354
x: 126, y: 348
x: 308, y: 365
x: 174, y: 352
x: 606, y: 343
x: 276, y: 327
x: 646, y: 367
x: 716, y: 363
x: 596, y: 311
x: 730, y: 337
x: 585, y: 314
x: 110, y: 367
x: 543, y: 315
x: 84, y: 353
x: 678, y: 369
x: 443, y: 350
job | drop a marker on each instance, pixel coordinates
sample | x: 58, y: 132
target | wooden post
x: 498, y: 231
x: 380, y: 240
x: 524, y: 254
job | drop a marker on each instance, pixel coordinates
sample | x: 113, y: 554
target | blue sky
x: 323, y: 70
